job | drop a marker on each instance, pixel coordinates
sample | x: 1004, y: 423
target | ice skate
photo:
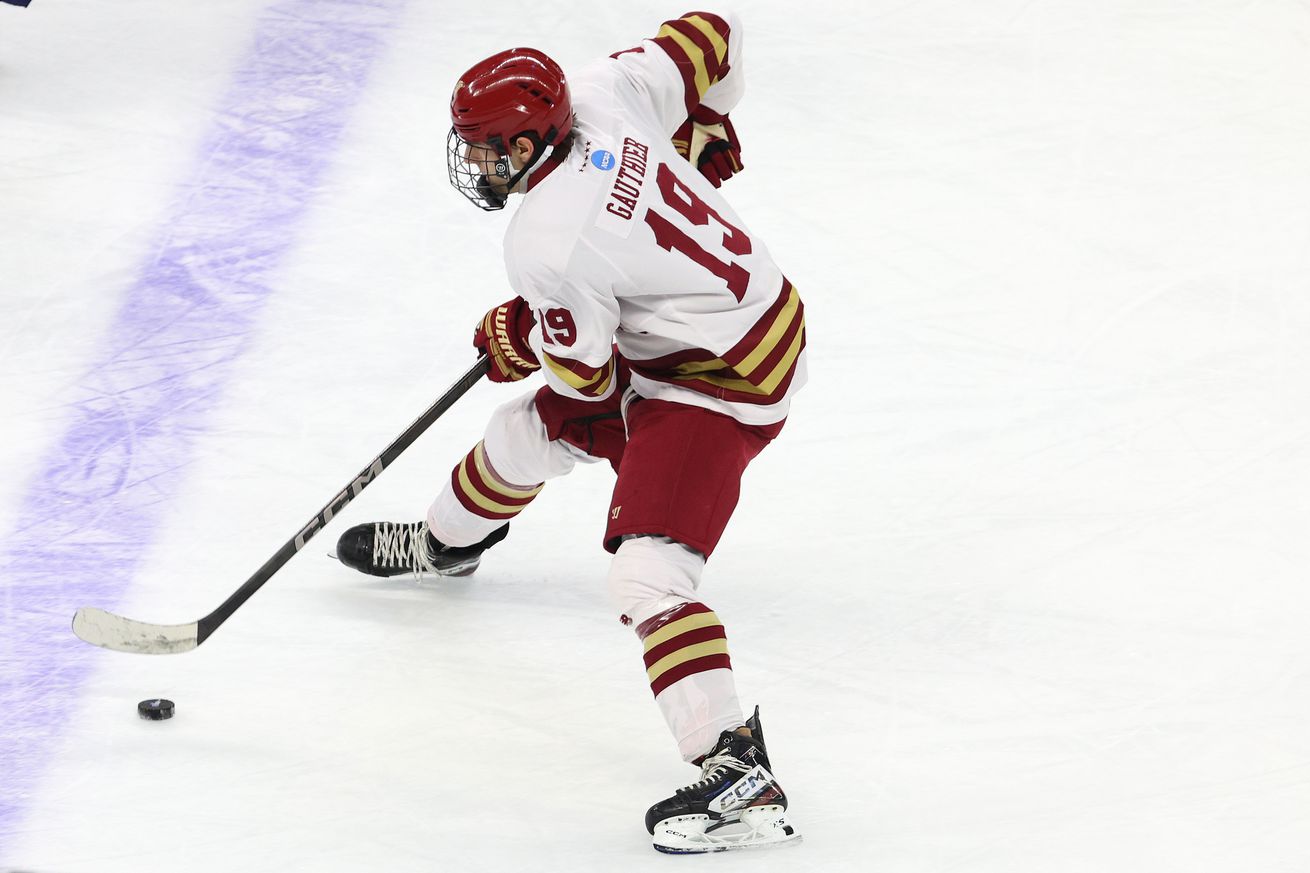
x: 737, y: 804
x: 385, y: 548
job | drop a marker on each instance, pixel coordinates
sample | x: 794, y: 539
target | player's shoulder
x: 551, y: 220
x: 558, y: 208
x: 537, y: 252
x: 596, y: 78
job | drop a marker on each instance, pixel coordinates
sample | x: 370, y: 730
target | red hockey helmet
x: 512, y: 93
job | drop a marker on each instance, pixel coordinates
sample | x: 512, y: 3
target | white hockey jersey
x: 623, y: 243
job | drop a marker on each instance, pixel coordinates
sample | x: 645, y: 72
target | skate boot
x: 737, y: 804
x: 385, y: 548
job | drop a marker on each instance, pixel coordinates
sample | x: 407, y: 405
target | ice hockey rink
x: 1021, y: 587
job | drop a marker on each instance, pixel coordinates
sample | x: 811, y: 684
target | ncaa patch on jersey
x: 603, y: 160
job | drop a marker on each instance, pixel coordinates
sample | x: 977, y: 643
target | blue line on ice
x: 95, y: 503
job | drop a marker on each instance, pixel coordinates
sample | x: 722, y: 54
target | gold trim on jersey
x: 594, y: 385
x: 757, y: 370
x: 771, y: 382
x: 695, y: 54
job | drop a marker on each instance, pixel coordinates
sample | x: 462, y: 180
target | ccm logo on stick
x: 338, y: 503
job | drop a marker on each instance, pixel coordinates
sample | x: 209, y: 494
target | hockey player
x: 671, y: 345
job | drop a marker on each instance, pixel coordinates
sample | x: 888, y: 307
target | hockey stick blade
x: 109, y: 631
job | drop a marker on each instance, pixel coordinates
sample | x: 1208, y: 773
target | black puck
x: 155, y: 710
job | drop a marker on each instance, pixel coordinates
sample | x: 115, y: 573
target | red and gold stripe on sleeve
x: 484, y: 493
x: 591, y: 382
x: 698, y: 44
x: 758, y: 369
x: 681, y: 642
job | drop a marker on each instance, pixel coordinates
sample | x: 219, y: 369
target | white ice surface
x: 1021, y: 587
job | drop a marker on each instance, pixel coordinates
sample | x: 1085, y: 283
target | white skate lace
x: 402, y: 545
x: 716, y: 765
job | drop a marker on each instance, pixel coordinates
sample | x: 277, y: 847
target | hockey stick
x: 110, y: 631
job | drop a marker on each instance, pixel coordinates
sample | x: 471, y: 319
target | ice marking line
x: 94, y: 503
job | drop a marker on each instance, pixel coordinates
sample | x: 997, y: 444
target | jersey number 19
x: 685, y: 202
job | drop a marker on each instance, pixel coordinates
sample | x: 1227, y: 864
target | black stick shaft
x: 211, y: 622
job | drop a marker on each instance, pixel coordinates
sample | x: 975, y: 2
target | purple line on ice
x: 95, y: 503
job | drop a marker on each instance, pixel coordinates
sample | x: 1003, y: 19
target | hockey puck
x: 155, y: 710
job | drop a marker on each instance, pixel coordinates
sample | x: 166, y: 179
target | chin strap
x: 540, y: 151
x: 503, y: 169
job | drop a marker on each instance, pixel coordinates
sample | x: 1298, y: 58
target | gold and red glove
x: 709, y: 142
x: 503, y: 336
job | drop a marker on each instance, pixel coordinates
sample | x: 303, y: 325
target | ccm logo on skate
x: 743, y: 789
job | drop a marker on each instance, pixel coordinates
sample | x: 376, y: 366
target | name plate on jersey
x: 618, y: 215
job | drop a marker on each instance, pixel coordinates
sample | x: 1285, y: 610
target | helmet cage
x: 468, y: 178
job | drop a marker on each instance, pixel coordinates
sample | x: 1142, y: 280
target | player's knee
x: 514, y: 425
x: 651, y: 574
x: 517, y: 447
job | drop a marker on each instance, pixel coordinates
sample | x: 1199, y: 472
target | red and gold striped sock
x: 682, y: 642
x: 482, y: 492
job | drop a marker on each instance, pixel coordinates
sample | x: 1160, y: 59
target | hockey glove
x: 709, y: 142
x: 503, y: 336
